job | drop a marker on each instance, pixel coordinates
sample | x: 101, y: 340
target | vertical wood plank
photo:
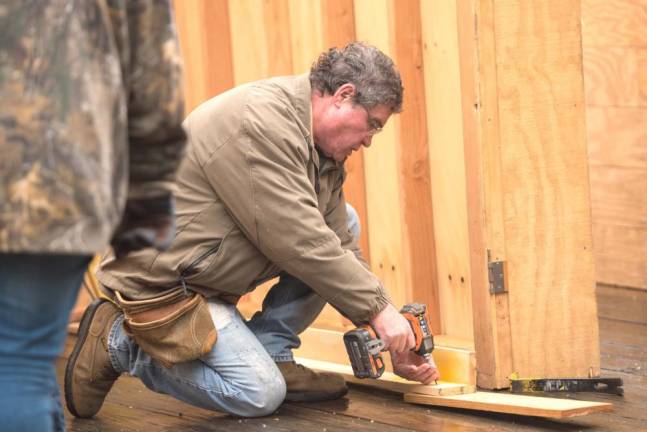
x: 338, y: 22
x: 248, y: 41
x: 188, y: 16
x: 413, y: 152
x: 338, y: 26
x: 545, y: 181
x: 218, y: 65
x: 279, y: 36
x: 373, y: 24
x: 492, y: 334
x: 448, y: 193
x: 305, y: 25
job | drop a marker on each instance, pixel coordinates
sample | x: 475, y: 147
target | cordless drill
x: 364, y: 345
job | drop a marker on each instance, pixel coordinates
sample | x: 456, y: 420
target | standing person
x: 259, y: 195
x: 90, y: 138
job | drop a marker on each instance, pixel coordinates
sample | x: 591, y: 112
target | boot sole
x: 314, y: 397
x: 84, y: 328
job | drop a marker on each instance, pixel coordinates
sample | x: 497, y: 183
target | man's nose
x: 367, y: 141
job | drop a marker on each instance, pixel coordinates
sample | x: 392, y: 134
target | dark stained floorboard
x: 623, y: 343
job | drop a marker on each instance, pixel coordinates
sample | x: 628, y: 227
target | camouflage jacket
x: 90, y: 115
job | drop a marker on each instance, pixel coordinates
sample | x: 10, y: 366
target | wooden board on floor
x: 513, y: 404
x: 456, y: 361
x: 389, y: 381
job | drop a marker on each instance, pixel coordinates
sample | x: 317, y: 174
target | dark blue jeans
x: 37, y: 293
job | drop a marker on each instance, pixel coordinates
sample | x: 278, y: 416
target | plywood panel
x: 514, y: 404
x: 615, y: 71
x: 373, y: 24
x: 620, y: 255
x: 617, y: 136
x: 619, y: 196
x: 545, y: 184
x: 612, y: 74
x: 614, y: 22
x: 618, y: 167
x: 448, y: 189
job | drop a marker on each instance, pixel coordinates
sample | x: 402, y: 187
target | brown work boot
x: 306, y: 385
x: 89, y: 375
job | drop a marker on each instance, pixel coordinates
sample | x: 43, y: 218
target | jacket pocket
x: 172, y: 328
x: 196, y: 266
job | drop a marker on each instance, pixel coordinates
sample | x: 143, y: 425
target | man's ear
x: 344, y: 93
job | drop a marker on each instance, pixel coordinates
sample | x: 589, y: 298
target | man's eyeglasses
x: 374, y: 125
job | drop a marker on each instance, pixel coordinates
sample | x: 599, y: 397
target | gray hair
x: 375, y: 77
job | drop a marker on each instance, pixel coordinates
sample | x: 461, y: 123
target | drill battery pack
x: 364, y: 350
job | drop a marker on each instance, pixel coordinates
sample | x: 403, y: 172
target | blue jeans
x: 37, y: 293
x: 239, y: 376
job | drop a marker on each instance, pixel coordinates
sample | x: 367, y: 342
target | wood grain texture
x: 188, y: 16
x: 338, y: 26
x: 305, y: 24
x: 619, y: 197
x: 373, y: 24
x: 615, y: 76
x: 514, y: 404
x: 248, y: 41
x: 205, y: 43
x: 219, y: 72
x: 615, y: 72
x: 455, y: 363
x: 442, y: 89
x: 276, y: 16
x: 544, y: 173
x: 617, y: 136
x: 621, y: 255
x: 614, y: 22
x: 480, y: 110
x: 414, y: 171
x: 389, y: 381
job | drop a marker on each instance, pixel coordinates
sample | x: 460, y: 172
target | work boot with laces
x: 305, y: 385
x: 89, y: 374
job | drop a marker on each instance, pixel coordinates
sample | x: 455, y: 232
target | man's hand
x: 413, y: 367
x: 394, y: 330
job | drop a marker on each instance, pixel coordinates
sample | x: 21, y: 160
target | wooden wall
x: 614, y: 38
x: 527, y: 178
x: 489, y: 154
x: 392, y: 185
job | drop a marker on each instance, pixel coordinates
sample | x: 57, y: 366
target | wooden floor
x: 623, y: 332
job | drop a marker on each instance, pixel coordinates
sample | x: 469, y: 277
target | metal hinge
x: 496, y: 275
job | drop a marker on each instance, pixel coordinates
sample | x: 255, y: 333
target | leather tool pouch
x: 172, y: 328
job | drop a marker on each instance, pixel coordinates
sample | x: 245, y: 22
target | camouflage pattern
x: 90, y: 115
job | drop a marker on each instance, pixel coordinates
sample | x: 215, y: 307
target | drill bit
x: 427, y: 357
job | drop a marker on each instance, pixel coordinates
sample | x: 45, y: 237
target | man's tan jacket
x: 256, y: 198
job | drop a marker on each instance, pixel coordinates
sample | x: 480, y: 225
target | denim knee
x: 353, y: 222
x: 261, y: 400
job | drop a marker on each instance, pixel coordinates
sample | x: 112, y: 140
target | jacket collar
x: 303, y: 102
x: 303, y: 105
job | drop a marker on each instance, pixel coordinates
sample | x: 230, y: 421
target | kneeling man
x: 259, y: 196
